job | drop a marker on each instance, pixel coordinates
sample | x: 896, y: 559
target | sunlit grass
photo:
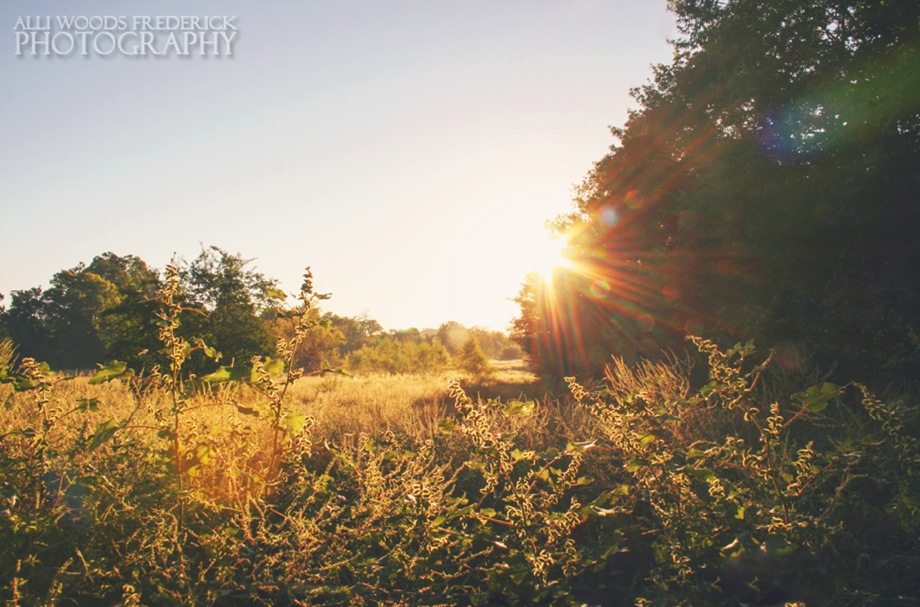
x: 430, y: 477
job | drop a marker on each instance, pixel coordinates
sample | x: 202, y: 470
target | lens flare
x: 550, y: 256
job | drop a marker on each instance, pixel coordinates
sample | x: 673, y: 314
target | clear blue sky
x: 408, y: 150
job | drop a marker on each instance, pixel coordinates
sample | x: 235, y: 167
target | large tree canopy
x: 231, y: 299
x: 90, y: 312
x: 766, y: 187
x: 108, y: 310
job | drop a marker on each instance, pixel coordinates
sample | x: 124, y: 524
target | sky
x: 408, y: 151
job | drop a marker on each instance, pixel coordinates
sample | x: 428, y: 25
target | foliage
x: 127, y: 328
x: 727, y: 493
x: 356, y: 331
x: 762, y: 188
x: 106, y: 310
x: 663, y: 485
x: 473, y: 360
x: 494, y: 344
x: 231, y: 299
x: 319, y: 345
x: 89, y: 313
x: 396, y: 353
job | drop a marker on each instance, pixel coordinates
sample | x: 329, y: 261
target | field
x: 642, y: 489
x: 403, y: 403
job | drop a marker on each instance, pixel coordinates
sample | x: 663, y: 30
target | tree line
x: 764, y: 187
x: 107, y: 310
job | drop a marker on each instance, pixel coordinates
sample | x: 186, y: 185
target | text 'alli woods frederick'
x: 133, y: 36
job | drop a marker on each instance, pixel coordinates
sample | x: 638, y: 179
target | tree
x: 453, y: 335
x: 4, y: 332
x: 128, y: 328
x: 765, y: 187
x: 473, y: 360
x: 233, y: 304
x: 26, y: 323
x: 321, y: 344
x: 73, y: 311
x: 356, y: 331
x: 89, y: 314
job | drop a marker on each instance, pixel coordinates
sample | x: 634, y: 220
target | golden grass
x: 372, y: 403
x: 369, y: 403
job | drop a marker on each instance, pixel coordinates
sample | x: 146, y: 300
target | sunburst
x: 549, y: 255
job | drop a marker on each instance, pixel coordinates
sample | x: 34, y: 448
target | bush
x: 473, y: 360
x: 660, y: 485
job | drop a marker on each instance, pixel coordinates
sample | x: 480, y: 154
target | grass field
x: 441, y: 490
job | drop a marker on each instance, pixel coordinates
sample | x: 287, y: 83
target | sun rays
x: 550, y: 256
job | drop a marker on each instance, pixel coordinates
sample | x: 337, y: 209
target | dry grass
x: 340, y: 405
x: 372, y: 403
x: 410, y: 403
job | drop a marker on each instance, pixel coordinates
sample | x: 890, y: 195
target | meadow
x: 709, y: 479
x: 230, y: 444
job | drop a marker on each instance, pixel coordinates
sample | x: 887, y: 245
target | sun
x: 548, y: 255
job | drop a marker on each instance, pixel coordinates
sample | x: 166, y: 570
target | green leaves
x: 579, y: 447
x: 256, y: 411
x: 225, y: 374
x: 273, y: 366
x: 274, y: 293
x: 103, y: 433
x: 815, y: 398
x: 87, y: 404
x: 107, y: 373
x: 517, y: 407
x: 294, y: 423
x: 518, y: 455
x: 447, y: 425
x: 196, y: 459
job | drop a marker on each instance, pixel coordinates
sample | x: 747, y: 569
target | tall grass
x: 655, y: 485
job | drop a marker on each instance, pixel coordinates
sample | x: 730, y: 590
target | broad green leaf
x: 226, y: 374
x: 703, y: 474
x: 109, y: 372
x: 579, y: 447
x: 104, y: 432
x: 294, y: 422
x: 815, y: 399
x: 645, y: 439
x: 88, y: 404
x: 696, y: 453
x: 203, y: 454
x: 517, y: 407
x: 247, y: 410
x: 635, y: 463
x: 200, y: 457
x: 22, y: 383
x: 24, y: 432
x: 274, y: 367
x: 708, y: 389
x: 447, y: 425
x: 519, y: 455
x: 276, y: 294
